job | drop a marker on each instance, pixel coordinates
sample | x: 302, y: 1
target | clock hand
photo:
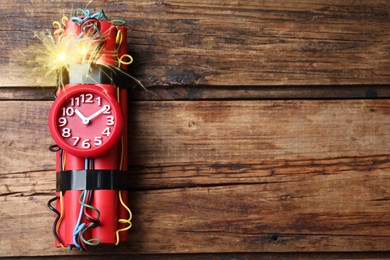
x: 82, y: 117
x: 96, y: 113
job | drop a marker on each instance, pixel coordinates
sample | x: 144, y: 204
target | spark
x: 56, y: 53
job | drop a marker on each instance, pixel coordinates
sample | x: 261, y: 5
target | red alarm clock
x: 85, y: 120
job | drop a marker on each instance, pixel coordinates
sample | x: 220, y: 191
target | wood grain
x: 218, y: 93
x: 203, y: 42
x: 220, y: 176
x: 265, y: 129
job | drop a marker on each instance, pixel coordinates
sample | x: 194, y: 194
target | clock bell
x: 88, y: 122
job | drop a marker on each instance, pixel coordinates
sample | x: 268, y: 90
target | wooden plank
x: 203, y: 42
x: 333, y: 212
x: 220, y: 176
x: 219, y: 93
x: 259, y: 92
x: 212, y: 132
x: 230, y: 256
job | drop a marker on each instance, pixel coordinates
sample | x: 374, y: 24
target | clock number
x: 106, y: 131
x: 108, y: 110
x: 86, y: 144
x: 62, y: 121
x: 110, y: 120
x: 75, y: 102
x: 76, y: 140
x: 89, y: 98
x: 66, y: 132
x: 86, y: 98
x: 99, y: 101
x: 98, y: 140
x: 67, y: 111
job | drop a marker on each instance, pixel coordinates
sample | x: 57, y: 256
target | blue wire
x: 79, y: 226
x: 86, y: 163
x: 87, y: 15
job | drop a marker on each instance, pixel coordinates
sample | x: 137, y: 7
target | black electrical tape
x: 91, y: 180
x: 94, y: 74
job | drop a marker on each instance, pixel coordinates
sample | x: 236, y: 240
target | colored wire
x: 54, y: 148
x: 79, y: 226
x: 88, y: 205
x: 85, y: 199
x: 62, y: 168
x: 64, y: 20
x: 118, y: 39
x: 57, y: 218
x: 62, y: 160
x: 86, y: 14
x: 60, y: 27
x: 61, y: 217
x: 90, y: 28
x: 123, y: 221
x: 94, y: 222
x: 121, y: 61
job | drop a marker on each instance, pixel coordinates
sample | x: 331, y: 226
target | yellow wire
x: 118, y: 39
x: 120, y: 60
x: 57, y: 25
x: 123, y: 221
x: 64, y: 19
x: 59, y: 30
x: 63, y: 162
x: 61, y: 216
x: 122, y: 143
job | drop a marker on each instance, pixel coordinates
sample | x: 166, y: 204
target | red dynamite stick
x: 108, y: 52
x: 106, y: 201
x: 71, y: 209
x: 71, y: 201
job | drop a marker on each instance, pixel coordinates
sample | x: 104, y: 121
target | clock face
x: 85, y: 121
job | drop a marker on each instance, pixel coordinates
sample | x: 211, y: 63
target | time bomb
x: 88, y: 122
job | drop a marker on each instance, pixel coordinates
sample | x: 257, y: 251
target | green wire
x: 79, y: 10
x: 92, y: 241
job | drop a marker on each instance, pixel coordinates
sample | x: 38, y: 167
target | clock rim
x: 77, y: 90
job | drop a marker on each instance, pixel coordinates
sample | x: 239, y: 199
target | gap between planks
x: 218, y: 93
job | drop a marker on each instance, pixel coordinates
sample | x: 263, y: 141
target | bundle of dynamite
x: 88, y: 122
